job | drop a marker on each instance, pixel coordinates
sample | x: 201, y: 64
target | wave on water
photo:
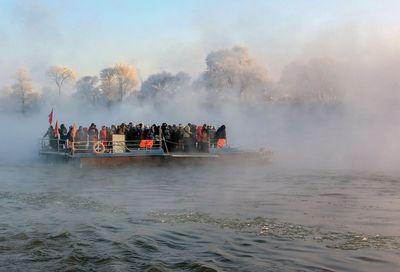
x: 182, y: 240
x: 274, y: 229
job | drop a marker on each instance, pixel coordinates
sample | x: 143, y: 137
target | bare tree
x: 23, y: 90
x: 60, y: 74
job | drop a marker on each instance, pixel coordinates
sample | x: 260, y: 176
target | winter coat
x: 204, y: 136
x: 199, y: 133
x: 62, y: 131
x: 220, y: 133
x: 103, y: 134
x: 93, y: 134
x: 186, y: 132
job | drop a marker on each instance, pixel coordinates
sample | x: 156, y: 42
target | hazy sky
x: 176, y: 35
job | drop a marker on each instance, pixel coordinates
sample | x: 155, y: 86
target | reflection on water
x: 253, y: 218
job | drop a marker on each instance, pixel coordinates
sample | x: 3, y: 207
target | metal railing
x: 98, y: 146
x: 113, y: 147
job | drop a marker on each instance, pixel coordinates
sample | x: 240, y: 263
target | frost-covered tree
x: 60, y: 74
x: 164, y: 85
x: 118, y: 81
x: 126, y: 79
x: 313, y: 81
x: 234, y: 72
x: 23, y: 90
x: 107, y: 83
x: 88, y: 89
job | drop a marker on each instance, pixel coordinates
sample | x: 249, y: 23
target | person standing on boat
x: 199, y: 137
x: 113, y: 129
x: 93, y: 134
x: 180, y: 137
x: 166, y: 137
x: 123, y: 129
x: 71, y: 136
x: 211, y: 135
x: 220, y: 136
x: 152, y: 132
x: 187, y: 138
x: 62, y: 131
x: 193, y: 130
x: 174, y: 138
x: 141, y: 131
x: 157, y: 134
x: 204, y: 139
x: 221, y: 132
x: 109, y: 138
x: 52, y: 140
x: 85, y: 137
x: 103, y: 135
x: 80, y: 139
x: 146, y: 133
x: 49, y: 132
x: 129, y: 136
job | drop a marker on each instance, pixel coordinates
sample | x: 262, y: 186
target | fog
x: 335, y: 106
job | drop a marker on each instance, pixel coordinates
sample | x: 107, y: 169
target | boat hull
x: 158, y: 157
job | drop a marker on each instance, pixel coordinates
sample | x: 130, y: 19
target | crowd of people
x: 172, y: 138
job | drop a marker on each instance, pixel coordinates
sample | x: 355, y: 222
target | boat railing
x: 121, y: 146
x: 49, y: 145
x: 97, y: 146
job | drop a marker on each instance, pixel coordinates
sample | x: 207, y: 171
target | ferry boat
x: 119, y: 152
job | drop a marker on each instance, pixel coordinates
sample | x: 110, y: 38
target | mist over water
x: 323, y: 99
x: 328, y: 201
x: 325, y: 111
x: 311, y: 136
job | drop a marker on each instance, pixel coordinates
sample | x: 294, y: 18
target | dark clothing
x: 69, y: 136
x: 62, y: 131
x: 131, y: 137
x: 220, y: 133
x: 174, y: 138
x: 188, y: 144
x: 93, y: 134
x: 148, y: 133
x: 166, y: 134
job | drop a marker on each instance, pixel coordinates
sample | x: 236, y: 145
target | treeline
x: 231, y: 74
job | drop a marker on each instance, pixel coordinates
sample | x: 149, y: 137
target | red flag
x: 51, y: 117
x: 56, y: 130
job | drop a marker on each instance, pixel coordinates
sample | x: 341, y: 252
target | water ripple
x: 271, y: 228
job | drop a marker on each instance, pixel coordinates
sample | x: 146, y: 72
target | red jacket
x: 199, y: 133
x: 103, y: 134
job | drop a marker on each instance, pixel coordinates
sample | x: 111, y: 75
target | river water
x: 57, y: 217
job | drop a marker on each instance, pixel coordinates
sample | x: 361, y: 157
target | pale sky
x: 176, y: 35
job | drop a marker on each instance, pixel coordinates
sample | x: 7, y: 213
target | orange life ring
x: 98, y: 148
